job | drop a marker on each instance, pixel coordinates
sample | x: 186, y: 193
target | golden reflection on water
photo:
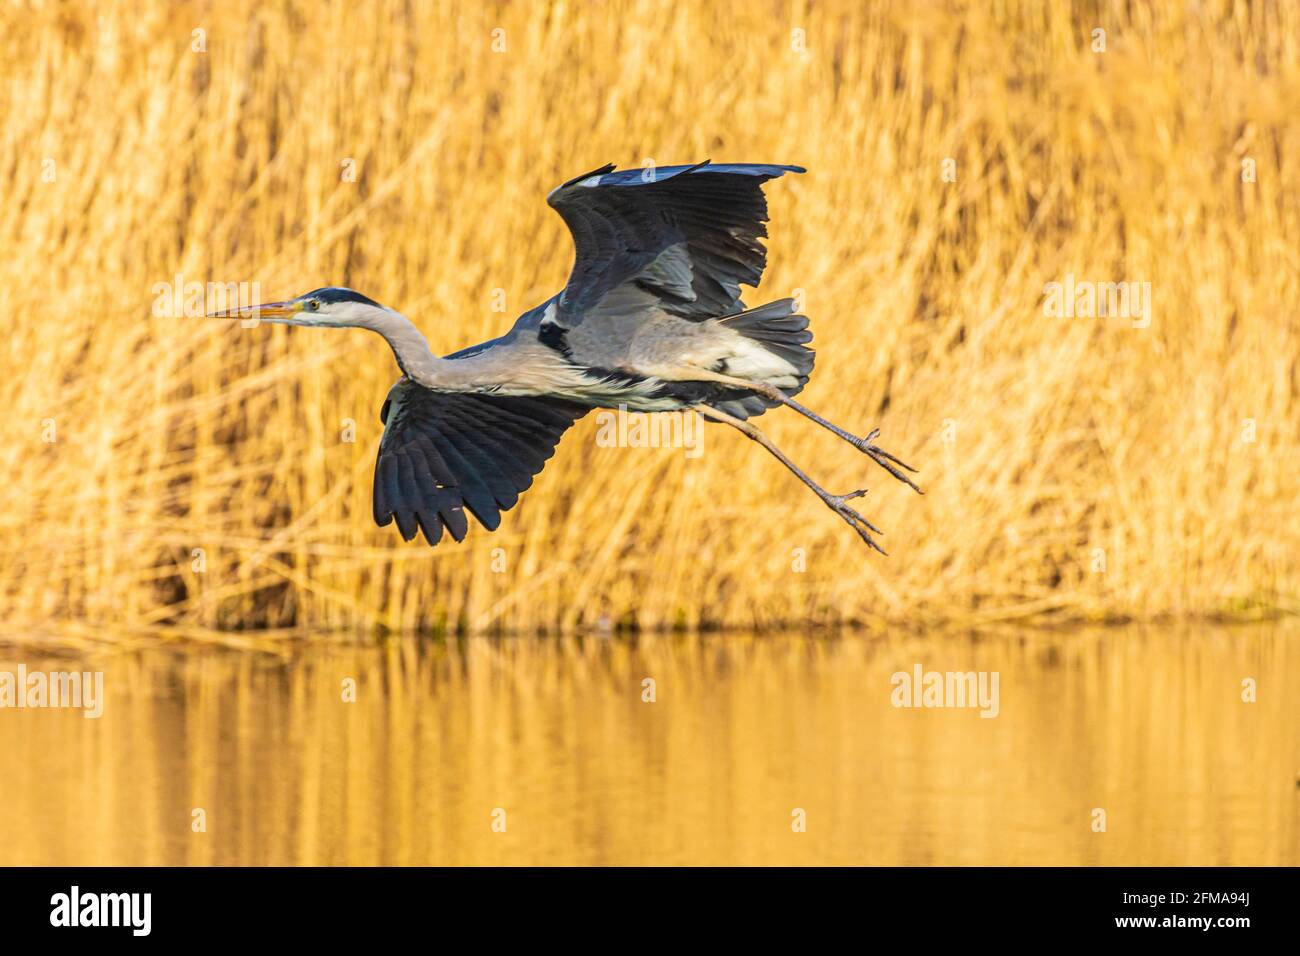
x: 1147, y: 725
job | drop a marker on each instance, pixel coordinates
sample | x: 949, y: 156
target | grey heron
x: 650, y: 320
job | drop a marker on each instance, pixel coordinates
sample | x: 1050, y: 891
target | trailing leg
x: 866, y: 444
x: 837, y: 503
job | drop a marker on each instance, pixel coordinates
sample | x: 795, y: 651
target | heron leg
x: 837, y: 503
x: 865, y: 444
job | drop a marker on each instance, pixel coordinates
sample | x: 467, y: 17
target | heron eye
x: 314, y: 305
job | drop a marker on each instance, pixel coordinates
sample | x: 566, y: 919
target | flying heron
x: 650, y: 320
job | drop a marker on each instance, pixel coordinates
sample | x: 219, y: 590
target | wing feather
x: 622, y: 222
x: 444, y: 453
x: 408, y: 519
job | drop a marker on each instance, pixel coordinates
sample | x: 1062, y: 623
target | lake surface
x: 773, y: 749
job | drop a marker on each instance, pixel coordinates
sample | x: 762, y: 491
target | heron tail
x: 781, y: 330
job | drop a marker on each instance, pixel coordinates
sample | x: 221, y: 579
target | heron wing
x: 445, y: 452
x: 683, y: 237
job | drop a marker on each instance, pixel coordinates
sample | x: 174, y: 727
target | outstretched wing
x: 684, y: 237
x: 444, y: 452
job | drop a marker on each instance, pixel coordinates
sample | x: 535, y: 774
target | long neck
x: 410, y: 347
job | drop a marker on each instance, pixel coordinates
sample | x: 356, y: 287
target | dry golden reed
x: 167, y: 475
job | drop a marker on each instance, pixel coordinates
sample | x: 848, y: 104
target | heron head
x: 330, y: 306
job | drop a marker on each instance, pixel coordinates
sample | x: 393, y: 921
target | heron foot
x: 884, y: 459
x: 839, y: 504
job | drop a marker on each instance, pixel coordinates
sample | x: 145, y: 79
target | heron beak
x: 281, y: 312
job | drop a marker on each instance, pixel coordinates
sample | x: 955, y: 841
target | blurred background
x: 187, y: 504
x: 960, y: 156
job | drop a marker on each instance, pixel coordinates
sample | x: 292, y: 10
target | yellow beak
x: 266, y: 312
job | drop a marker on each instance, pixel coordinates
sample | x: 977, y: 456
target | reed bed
x: 167, y: 474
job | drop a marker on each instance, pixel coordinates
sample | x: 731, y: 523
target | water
x: 1148, y: 726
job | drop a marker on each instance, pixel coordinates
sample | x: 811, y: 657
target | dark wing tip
x: 662, y: 174
x: 637, y: 176
x: 607, y: 168
x: 432, y: 529
x: 446, y: 456
x: 766, y: 170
